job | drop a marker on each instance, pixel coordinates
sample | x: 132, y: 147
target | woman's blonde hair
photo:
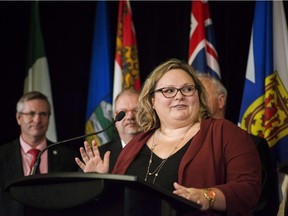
x: 146, y: 117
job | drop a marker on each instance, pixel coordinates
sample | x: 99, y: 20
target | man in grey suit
x: 32, y: 114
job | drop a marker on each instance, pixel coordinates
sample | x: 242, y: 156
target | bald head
x: 127, y: 101
x: 216, y: 94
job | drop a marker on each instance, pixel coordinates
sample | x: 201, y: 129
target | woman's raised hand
x: 91, y: 159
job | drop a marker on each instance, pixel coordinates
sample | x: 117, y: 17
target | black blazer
x: 268, y: 202
x: 60, y: 159
x: 115, y: 147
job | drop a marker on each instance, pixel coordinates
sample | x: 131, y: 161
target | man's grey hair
x: 32, y: 95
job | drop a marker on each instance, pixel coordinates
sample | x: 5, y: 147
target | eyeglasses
x: 170, y: 92
x: 133, y: 111
x: 33, y: 114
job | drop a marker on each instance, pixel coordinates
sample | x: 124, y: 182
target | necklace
x: 155, y: 173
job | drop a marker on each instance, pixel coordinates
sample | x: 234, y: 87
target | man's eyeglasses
x: 33, y: 114
x: 170, y: 92
x: 134, y: 111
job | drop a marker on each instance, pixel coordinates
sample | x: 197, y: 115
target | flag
x: 202, y: 46
x: 99, y: 103
x: 38, y: 78
x: 264, y: 108
x: 126, y: 68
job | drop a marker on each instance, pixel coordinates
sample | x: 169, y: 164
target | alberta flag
x: 202, y: 47
x: 264, y: 110
x: 99, y: 105
x: 37, y: 78
x: 126, y: 69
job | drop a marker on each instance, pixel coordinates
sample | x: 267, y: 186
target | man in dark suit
x: 33, y: 113
x: 127, y: 128
x: 268, y: 201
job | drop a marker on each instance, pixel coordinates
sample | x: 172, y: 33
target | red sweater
x: 221, y: 155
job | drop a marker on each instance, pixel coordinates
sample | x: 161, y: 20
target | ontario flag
x: 264, y: 109
x: 202, y: 46
x: 99, y: 104
x: 126, y: 68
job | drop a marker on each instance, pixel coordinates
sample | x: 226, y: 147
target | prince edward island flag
x: 264, y: 110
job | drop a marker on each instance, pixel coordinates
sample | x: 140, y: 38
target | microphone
x: 118, y: 117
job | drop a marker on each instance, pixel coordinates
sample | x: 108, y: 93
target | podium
x: 95, y: 194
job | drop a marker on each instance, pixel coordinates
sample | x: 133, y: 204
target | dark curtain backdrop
x: 162, y: 31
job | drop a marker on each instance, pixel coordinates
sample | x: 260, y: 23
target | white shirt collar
x: 123, y: 143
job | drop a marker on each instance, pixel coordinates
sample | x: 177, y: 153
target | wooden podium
x: 95, y: 194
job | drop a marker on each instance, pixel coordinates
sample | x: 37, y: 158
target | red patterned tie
x: 34, y: 153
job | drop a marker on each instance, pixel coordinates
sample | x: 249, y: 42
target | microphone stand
x: 118, y: 117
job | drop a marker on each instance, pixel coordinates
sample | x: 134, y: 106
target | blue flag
x: 99, y: 105
x: 264, y: 109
